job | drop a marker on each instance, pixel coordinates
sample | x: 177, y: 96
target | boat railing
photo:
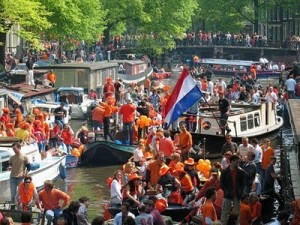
x: 8, y: 209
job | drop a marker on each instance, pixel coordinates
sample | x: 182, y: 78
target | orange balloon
x: 200, y: 161
x: 81, y: 149
x: 198, y: 167
x: 207, y: 161
x: 75, y: 152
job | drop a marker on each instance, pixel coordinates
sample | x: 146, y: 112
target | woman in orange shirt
x: 186, y: 183
x: 66, y: 136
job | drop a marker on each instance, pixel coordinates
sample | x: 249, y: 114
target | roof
x: 79, y: 89
x: 28, y: 91
x: 83, y: 65
x: 227, y: 62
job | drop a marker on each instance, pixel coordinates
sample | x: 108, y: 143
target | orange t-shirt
x: 127, y: 111
x: 107, y: 109
x: 66, y: 136
x: 185, y: 140
x: 266, y: 157
x: 256, y: 210
x: 186, y: 183
x: 51, y: 77
x: 166, y: 145
x: 154, y: 168
x: 98, y: 114
x: 245, y: 214
x: 208, y: 210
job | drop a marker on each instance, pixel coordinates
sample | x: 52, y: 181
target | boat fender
x: 62, y: 171
x: 34, y: 166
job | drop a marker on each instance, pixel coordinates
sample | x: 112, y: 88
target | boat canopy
x: 245, y: 63
x: 70, y: 90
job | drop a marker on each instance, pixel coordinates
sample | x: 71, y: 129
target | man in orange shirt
x: 152, y: 172
x: 166, y: 145
x: 51, y: 201
x: 128, y: 111
x: 209, y: 215
x: 51, y: 77
x: 108, y: 110
x: 97, y: 117
x: 267, y: 153
x: 185, y: 142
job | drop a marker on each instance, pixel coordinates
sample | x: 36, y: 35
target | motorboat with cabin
x: 245, y: 120
x: 76, y: 99
x: 232, y: 68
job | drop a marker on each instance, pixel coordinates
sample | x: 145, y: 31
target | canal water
x: 91, y: 181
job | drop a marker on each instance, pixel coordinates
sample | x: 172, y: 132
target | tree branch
x: 242, y: 15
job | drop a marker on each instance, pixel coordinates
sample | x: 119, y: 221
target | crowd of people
x: 55, y: 205
x: 160, y: 164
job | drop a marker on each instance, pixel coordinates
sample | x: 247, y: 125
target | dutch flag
x: 185, y: 93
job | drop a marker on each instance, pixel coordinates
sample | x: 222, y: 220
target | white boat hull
x: 49, y: 170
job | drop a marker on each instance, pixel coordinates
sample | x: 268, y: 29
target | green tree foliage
x: 74, y: 20
x: 29, y: 14
x: 232, y: 15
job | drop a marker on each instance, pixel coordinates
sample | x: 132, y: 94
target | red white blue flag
x: 185, y: 93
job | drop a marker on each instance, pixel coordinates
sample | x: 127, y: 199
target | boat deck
x: 294, y: 112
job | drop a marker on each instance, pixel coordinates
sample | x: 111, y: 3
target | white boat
x: 76, y: 99
x: 49, y: 108
x: 245, y: 120
x: 49, y: 168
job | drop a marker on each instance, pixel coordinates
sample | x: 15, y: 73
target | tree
x: 29, y: 14
x: 74, y: 20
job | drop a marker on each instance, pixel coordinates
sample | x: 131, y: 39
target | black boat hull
x: 101, y: 153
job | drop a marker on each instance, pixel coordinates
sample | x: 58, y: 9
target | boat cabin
x: 76, y: 99
x: 86, y: 75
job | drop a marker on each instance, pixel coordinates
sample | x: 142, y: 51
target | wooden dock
x: 294, y: 156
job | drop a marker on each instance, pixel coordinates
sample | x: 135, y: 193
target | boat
x: 49, y: 108
x: 245, y: 120
x: 231, y: 68
x: 176, y: 212
x: 76, y: 99
x: 106, y: 153
x: 161, y: 75
x: 46, y: 169
x: 71, y: 161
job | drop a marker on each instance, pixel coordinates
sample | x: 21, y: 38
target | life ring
x: 62, y: 171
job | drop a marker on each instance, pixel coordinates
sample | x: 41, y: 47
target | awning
x: 16, y: 97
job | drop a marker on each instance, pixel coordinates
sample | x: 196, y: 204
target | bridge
x: 285, y: 55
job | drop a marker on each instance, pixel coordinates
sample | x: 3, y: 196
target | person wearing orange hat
x: 23, y: 132
x: 39, y: 135
x: 167, y: 183
x: 5, y: 118
x: 109, y: 88
x: 190, y: 169
x: 133, y: 190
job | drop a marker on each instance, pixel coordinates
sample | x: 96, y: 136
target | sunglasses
x: 27, y: 182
